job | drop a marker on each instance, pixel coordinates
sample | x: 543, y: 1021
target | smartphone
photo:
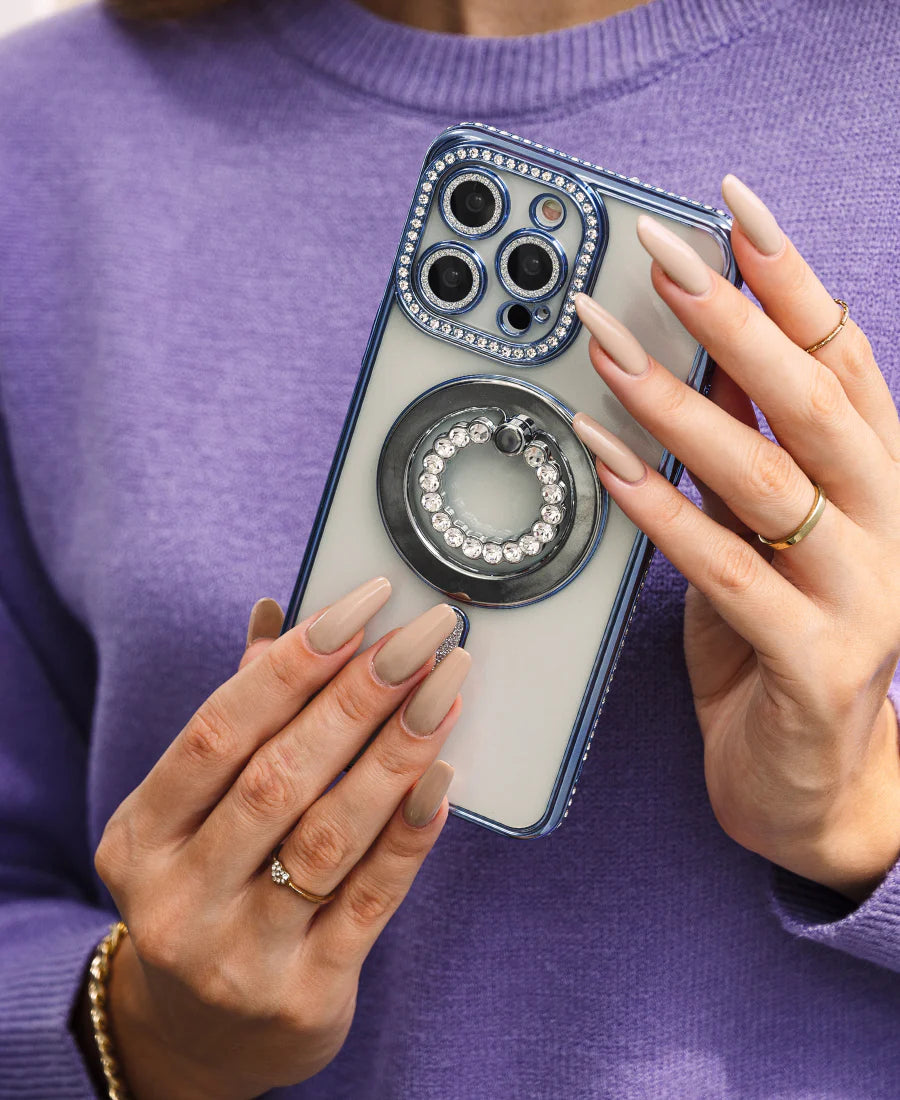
x: 458, y: 475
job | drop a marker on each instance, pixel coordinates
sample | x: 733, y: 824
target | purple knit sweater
x: 196, y: 226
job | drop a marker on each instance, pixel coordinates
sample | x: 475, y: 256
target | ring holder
x: 559, y: 507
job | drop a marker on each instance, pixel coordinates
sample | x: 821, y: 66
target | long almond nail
x: 425, y: 799
x: 434, y: 696
x: 410, y: 647
x: 611, y: 451
x: 266, y: 619
x: 337, y: 624
x: 675, y: 256
x: 753, y: 216
x: 615, y: 339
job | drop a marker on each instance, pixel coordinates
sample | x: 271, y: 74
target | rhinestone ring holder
x: 439, y: 541
x: 514, y: 437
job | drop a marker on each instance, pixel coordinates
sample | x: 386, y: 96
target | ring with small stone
x: 514, y: 436
x: 281, y: 877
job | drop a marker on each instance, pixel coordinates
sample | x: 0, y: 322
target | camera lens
x: 451, y: 277
x: 473, y: 203
x: 530, y: 266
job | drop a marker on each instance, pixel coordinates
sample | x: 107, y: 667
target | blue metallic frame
x: 498, y: 183
x: 557, y: 248
x: 610, y: 645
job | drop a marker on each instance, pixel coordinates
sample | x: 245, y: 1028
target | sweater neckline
x: 478, y: 76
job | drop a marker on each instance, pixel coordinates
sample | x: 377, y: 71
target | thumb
x: 266, y: 619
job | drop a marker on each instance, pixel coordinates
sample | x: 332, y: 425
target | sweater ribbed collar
x: 457, y: 74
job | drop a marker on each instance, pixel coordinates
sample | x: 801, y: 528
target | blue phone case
x: 525, y: 729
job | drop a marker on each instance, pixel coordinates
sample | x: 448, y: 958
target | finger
x: 286, y: 775
x: 244, y: 712
x: 793, y: 296
x: 758, y: 480
x: 344, y: 930
x: 804, y: 403
x: 751, y: 596
x: 266, y: 621
x: 334, y: 833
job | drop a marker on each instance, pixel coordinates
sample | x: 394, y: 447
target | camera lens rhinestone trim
x: 498, y: 194
x: 537, y: 455
x: 550, y: 250
x: 472, y: 262
x: 584, y: 262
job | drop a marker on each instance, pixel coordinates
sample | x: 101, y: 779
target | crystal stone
x: 535, y: 454
x: 444, y: 448
x: 512, y: 552
x: 430, y: 482
x: 547, y: 474
x: 529, y: 544
x: 458, y: 435
x: 433, y: 463
x: 492, y: 552
x: 553, y: 494
x: 543, y: 531
x: 479, y: 432
x: 453, y: 536
x: 472, y: 547
x: 552, y: 513
x: 432, y: 502
x: 440, y: 521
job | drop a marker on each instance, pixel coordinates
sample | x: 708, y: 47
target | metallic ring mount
x: 428, y: 528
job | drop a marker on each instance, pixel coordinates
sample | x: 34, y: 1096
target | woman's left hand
x: 790, y: 652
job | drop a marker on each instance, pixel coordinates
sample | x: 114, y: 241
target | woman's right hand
x: 228, y: 984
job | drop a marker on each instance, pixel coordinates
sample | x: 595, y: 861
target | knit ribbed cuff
x: 43, y: 959
x: 869, y: 930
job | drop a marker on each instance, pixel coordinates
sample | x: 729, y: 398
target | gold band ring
x: 845, y: 316
x: 812, y: 518
x: 281, y: 877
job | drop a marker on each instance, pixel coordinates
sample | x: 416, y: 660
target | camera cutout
x: 547, y: 212
x: 531, y: 265
x: 514, y: 318
x: 474, y: 204
x: 451, y: 277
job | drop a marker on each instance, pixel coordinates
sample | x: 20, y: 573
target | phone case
x: 458, y: 476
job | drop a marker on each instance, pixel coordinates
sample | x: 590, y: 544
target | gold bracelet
x: 99, y: 971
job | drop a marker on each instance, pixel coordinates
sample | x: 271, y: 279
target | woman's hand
x: 790, y: 652
x: 228, y: 984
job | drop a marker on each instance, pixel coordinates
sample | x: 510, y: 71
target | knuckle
x: 672, y: 404
x: 735, y: 565
x: 209, y: 737
x: 856, y: 359
x: 825, y: 399
x: 287, y: 664
x: 368, y: 901
x: 265, y: 786
x: 670, y: 508
x: 394, y: 758
x: 156, y: 942
x: 741, y: 321
x: 321, y: 844
x: 770, y: 470
x: 349, y: 706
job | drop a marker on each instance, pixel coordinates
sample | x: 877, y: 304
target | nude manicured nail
x: 615, y: 339
x: 338, y: 623
x: 611, y: 451
x: 410, y: 647
x: 675, y: 256
x: 266, y: 618
x: 425, y: 799
x: 753, y: 216
x: 434, y: 696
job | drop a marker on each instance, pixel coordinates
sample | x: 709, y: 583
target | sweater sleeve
x: 50, y: 915
x: 869, y: 930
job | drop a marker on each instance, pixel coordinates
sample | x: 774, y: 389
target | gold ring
x: 812, y: 518
x: 281, y: 876
x: 845, y: 316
